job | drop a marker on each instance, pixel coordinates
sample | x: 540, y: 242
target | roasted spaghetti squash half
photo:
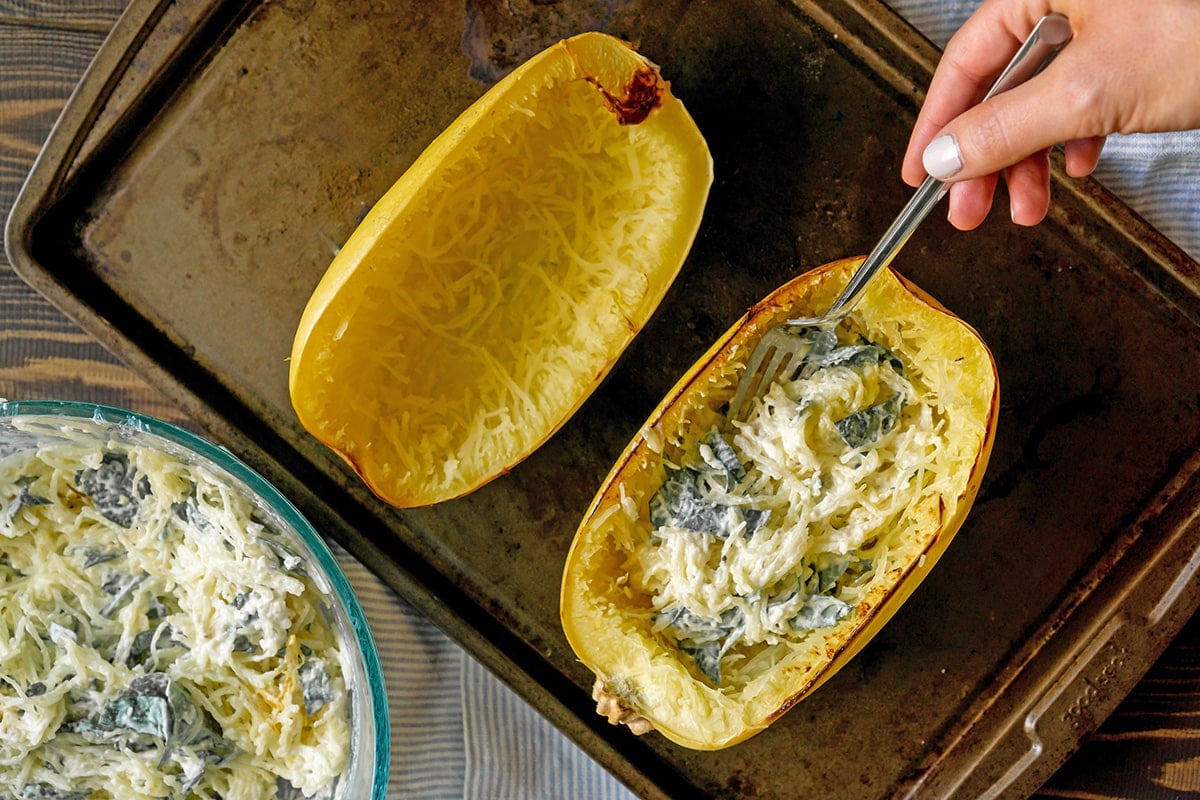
x: 489, y: 291
x: 725, y: 568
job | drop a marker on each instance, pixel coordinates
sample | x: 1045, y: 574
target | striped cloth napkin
x: 457, y: 732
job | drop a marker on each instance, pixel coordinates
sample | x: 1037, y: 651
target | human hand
x: 1132, y: 67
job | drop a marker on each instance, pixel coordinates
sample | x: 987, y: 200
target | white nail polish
x: 942, y: 158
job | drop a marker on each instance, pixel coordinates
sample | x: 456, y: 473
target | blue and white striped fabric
x: 457, y: 732
x: 937, y: 19
x: 1158, y: 176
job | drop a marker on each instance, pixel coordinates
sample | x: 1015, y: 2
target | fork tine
x: 771, y: 355
x: 748, y: 383
x: 779, y: 361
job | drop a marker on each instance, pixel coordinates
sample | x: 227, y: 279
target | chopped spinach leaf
x: 155, y: 712
x: 140, y: 649
x: 156, y: 609
x: 824, y: 351
x: 28, y: 498
x: 755, y: 518
x: 702, y: 638
x: 689, y: 625
x: 868, y: 425
x: 44, y: 791
x: 289, y: 560
x: 120, y: 588
x: 679, y: 503
x: 819, y: 611
x: 861, y: 355
x: 724, y: 461
x: 94, y: 555
x: 707, y: 658
x: 188, y: 510
x: 243, y: 644
x: 24, y: 499
x: 827, y: 570
x: 831, y: 571
x: 145, y: 707
x: 314, y: 684
x: 114, y: 487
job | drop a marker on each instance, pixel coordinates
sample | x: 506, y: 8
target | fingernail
x: 942, y: 158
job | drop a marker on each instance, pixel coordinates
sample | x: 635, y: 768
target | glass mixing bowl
x: 103, y: 433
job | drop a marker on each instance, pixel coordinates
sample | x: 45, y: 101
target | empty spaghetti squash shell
x: 489, y: 291
x: 726, y: 569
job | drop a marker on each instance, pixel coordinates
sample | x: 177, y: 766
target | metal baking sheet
x: 217, y: 153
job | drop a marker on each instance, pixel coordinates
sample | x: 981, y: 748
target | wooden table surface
x: 1149, y: 748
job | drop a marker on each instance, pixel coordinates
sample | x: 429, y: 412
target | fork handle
x: 914, y: 212
x: 1048, y: 37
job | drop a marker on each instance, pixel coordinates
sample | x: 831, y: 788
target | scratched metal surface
x: 185, y: 217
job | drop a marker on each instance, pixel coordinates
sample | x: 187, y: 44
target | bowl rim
x: 345, y: 594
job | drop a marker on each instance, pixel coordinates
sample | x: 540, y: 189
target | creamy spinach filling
x: 721, y: 510
x: 161, y: 637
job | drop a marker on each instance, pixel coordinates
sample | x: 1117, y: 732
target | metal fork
x: 781, y: 352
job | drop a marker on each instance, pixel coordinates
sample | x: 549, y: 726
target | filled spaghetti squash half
x: 489, y: 291
x: 726, y: 569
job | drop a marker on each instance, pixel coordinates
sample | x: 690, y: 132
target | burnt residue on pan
x: 500, y: 34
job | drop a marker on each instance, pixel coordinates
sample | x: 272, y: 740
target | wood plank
x: 89, y: 15
x: 43, y: 354
x: 39, y: 68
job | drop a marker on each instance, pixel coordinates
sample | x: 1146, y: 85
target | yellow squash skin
x: 640, y: 675
x: 489, y: 291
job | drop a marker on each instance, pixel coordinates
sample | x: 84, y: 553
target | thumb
x: 1002, y: 132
